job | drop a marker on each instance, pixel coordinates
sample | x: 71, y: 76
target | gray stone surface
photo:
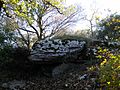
x: 59, y: 70
x: 55, y: 50
x: 14, y: 85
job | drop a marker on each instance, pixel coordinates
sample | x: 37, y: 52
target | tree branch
x: 36, y: 31
x: 27, y: 30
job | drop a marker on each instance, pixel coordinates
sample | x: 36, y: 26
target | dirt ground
x: 35, y: 78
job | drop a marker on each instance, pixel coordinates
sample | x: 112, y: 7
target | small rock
x: 66, y: 85
x: 13, y: 85
x: 86, y: 88
x: 59, y: 70
x: 5, y: 85
x: 93, y: 79
x: 82, y: 77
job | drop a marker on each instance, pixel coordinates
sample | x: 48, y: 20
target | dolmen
x: 56, y: 50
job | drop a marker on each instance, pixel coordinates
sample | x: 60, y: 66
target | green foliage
x: 7, y: 34
x: 34, y: 17
x: 26, y: 9
x: 20, y: 56
x: 6, y: 55
x: 109, y: 69
x: 110, y: 27
x: 6, y: 42
x: 13, y: 57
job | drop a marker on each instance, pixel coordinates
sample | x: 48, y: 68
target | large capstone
x: 56, y: 50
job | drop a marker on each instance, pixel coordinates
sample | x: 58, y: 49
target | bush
x: 20, y: 55
x: 109, y: 69
x: 13, y: 57
x: 6, y: 55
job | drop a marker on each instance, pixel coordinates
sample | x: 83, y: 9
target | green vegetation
x: 109, y: 69
x: 23, y: 22
x: 35, y: 17
x: 109, y: 28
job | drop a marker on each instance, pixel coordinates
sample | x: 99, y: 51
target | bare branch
x: 50, y: 24
x: 36, y: 31
x: 23, y: 38
x: 27, y: 30
x: 65, y: 21
x: 48, y: 3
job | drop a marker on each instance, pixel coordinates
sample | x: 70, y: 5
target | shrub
x: 109, y: 69
x: 6, y: 55
x: 13, y: 57
x: 20, y: 55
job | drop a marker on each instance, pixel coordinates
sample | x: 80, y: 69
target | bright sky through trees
x: 101, y: 5
x: 113, y: 5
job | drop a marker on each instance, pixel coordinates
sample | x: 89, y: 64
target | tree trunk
x: 41, y: 29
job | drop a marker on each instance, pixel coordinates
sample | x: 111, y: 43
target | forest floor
x: 77, y: 77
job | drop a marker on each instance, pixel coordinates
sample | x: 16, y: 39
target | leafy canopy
x: 27, y: 9
x: 110, y: 27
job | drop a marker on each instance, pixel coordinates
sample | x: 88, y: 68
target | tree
x: 90, y: 20
x: 109, y: 28
x: 7, y: 35
x: 40, y: 17
x: 7, y: 40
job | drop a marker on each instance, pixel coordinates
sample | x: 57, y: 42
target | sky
x: 101, y: 5
x: 90, y: 5
x: 114, y: 5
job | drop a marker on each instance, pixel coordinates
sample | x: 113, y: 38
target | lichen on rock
x: 47, y: 50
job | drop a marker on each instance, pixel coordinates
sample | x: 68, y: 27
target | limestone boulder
x: 56, y: 50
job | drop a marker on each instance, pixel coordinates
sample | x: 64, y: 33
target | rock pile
x: 55, y: 50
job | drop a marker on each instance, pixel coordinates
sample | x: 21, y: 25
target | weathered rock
x: 56, y: 50
x: 14, y: 85
x: 82, y: 77
x: 59, y: 70
x: 5, y: 85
